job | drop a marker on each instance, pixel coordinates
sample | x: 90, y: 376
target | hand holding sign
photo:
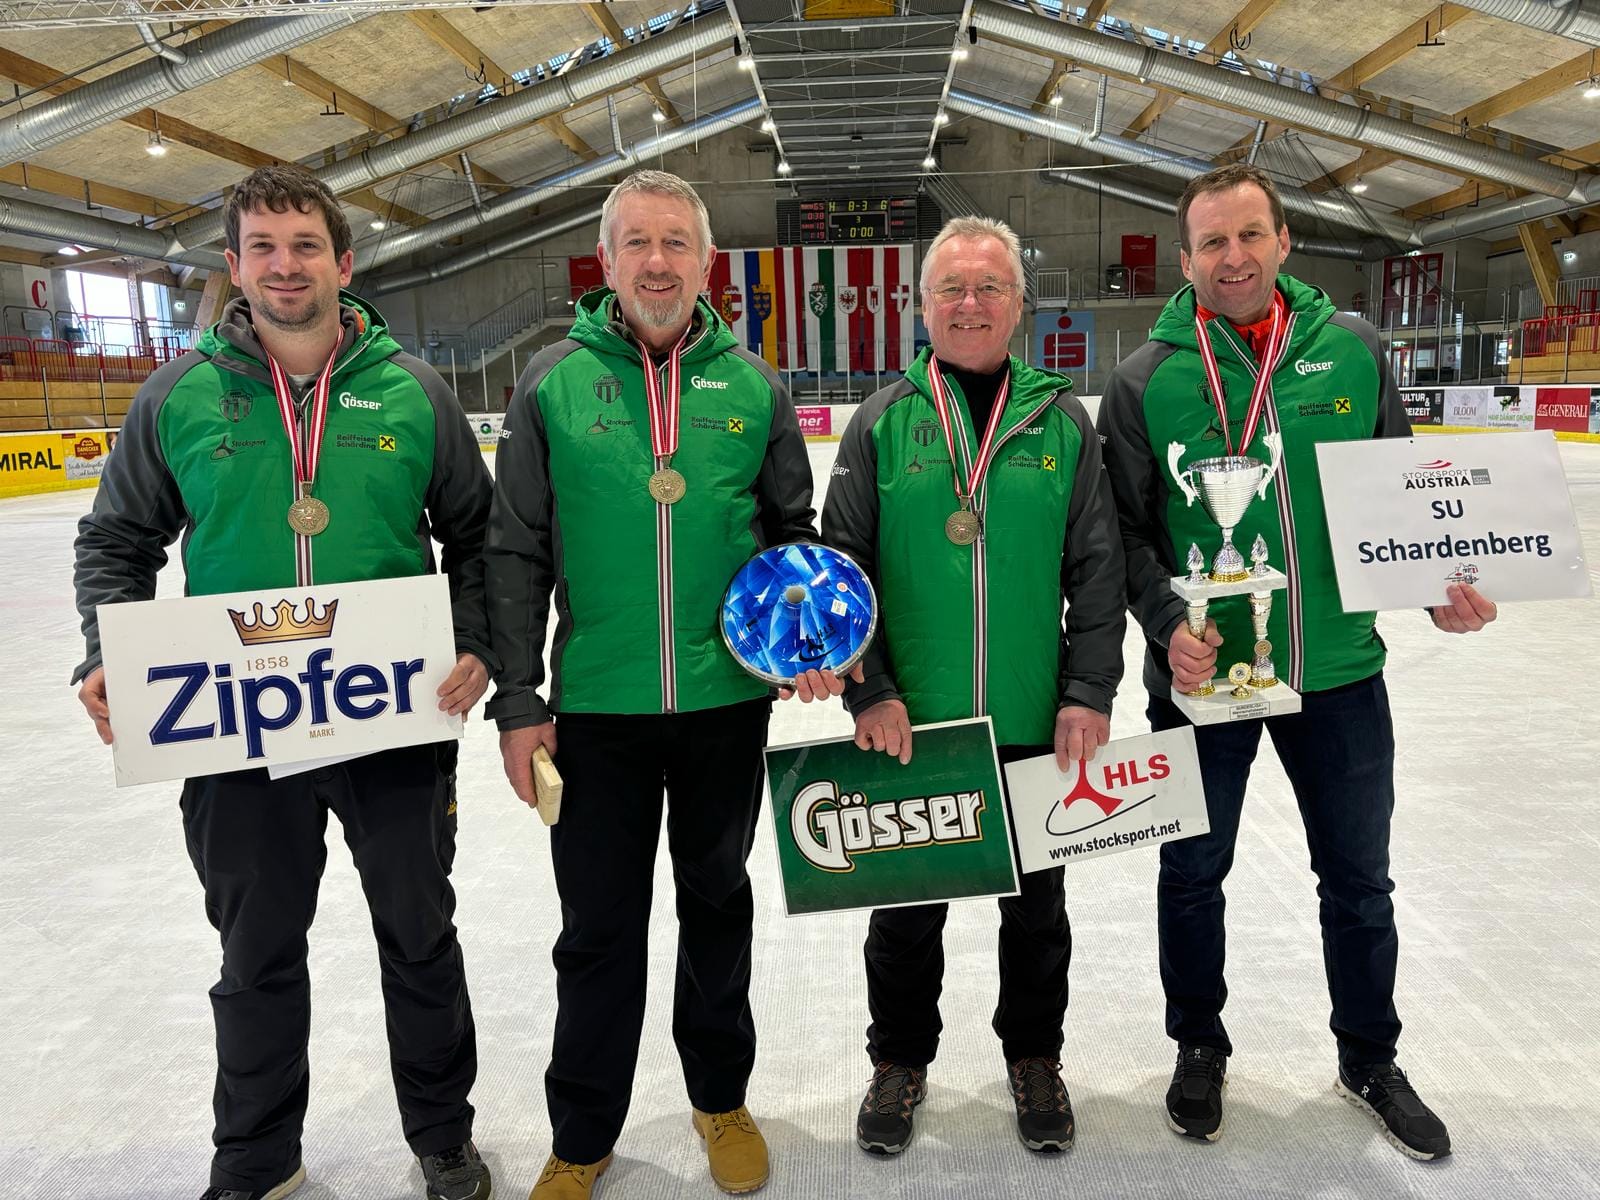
x: 1467, y: 611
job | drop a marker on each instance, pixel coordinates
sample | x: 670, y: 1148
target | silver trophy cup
x: 1225, y: 486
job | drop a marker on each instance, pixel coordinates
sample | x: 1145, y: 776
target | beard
x: 667, y: 313
x: 262, y: 307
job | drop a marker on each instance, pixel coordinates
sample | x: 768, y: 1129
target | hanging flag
x: 837, y: 310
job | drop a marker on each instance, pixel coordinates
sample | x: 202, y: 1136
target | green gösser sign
x: 855, y: 829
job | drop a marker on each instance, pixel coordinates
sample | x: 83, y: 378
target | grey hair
x: 976, y: 228
x: 655, y: 183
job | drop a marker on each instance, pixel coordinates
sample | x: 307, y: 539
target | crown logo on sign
x: 283, y: 627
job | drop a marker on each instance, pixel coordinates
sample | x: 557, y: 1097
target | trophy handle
x: 1174, y: 453
x: 1274, y: 444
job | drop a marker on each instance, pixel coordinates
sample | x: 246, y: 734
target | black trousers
x: 259, y: 850
x: 905, y: 969
x: 616, y: 767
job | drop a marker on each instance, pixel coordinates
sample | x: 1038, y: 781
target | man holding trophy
x: 1210, y: 433
x: 971, y: 491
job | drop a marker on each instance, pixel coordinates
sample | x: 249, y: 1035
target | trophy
x: 1225, y: 486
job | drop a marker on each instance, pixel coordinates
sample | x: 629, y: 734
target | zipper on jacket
x: 980, y: 563
x: 664, y: 597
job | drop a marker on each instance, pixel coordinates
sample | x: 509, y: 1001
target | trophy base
x: 1194, y: 592
x: 1221, y: 705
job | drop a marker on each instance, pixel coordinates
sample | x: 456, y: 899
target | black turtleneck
x: 980, y: 391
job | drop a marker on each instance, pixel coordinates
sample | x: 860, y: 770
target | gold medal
x: 667, y: 486
x: 308, y: 516
x: 1239, y: 673
x: 961, y: 527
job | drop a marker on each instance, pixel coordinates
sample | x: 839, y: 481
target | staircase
x: 490, y: 336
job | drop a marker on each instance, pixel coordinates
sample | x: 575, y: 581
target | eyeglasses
x: 983, y: 293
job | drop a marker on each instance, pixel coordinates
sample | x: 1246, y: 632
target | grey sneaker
x: 291, y: 1184
x: 456, y: 1174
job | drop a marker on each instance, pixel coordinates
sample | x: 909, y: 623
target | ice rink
x: 106, y: 1044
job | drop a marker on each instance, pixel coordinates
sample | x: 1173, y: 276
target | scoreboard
x: 849, y: 220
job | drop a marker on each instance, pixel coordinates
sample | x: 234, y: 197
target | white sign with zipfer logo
x: 1136, y: 791
x: 1407, y: 517
x: 207, y: 684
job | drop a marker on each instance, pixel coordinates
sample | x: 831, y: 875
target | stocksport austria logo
x: 831, y: 830
x: 1442, y: 473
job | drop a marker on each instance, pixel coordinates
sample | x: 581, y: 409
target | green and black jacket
x: 977, y: 630
x: 203, y: 455
x: 1333, y: 385
x: 637, y: 586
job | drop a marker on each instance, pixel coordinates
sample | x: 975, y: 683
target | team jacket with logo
x: 1332, y: 385
x: 972, y: 630
x: 637, y: 586
x: 203, y: 454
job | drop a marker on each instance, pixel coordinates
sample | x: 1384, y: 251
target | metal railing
x: 53, y: 362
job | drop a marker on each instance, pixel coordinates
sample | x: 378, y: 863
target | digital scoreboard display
x: 846, y: 219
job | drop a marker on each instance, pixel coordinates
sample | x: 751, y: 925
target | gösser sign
x: 208, y: 684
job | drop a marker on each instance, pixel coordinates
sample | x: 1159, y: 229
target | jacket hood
x: 1310, y: 306
x: 1030, y: 385
x: 598, y: 325
x: 364, y: 334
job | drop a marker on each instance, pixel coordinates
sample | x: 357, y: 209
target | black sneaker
x: 1194, y: 1100
x: 1385, y: 1094
x: 883, y: 1126
x: 456, y: 1174
x: 1044, y: 1111
x: 289, y: 1185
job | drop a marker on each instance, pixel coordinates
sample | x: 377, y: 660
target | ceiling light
x: 746, y: 63
x: 1055, y: 99
x: 155, y: 147
x: 69, y: 251
x: 377, y: 223
x: 659, y: 117
x: 959, y: 54
x: 1569, y: 256
x: 1359, y: 186
x: 1592, y: 90
x: 768, y: 125
x: 857, y: 167
x: 784, y: 168
x: 941, y: 119
x: 929, y: 163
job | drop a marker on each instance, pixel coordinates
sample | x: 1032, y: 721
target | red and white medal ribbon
x: 975, y: 468
x: 663, y: 409
x: 304, y: 451
x: 1277, y: 343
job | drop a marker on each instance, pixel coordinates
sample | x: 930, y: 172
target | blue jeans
x: 1338, y: 753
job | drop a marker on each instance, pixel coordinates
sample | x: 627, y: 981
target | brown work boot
x: 562, y: 1180
x: 737, y: 1151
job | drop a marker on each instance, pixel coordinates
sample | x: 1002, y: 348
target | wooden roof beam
x: 608, y: 25
x: 38, y: 75
x: 1402, y: 44
x: 438, y: 27
x: 1245, y: 20
x: 71, y: 187
x: 1541, y: 254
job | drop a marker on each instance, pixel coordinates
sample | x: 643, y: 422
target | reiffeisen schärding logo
x: 831, y: 830
x: 251, y: 704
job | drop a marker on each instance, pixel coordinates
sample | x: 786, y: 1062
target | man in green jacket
x: 1287, y: 362
x: 644, y: 459
x: 971, y: 491
x: 298, y: 445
